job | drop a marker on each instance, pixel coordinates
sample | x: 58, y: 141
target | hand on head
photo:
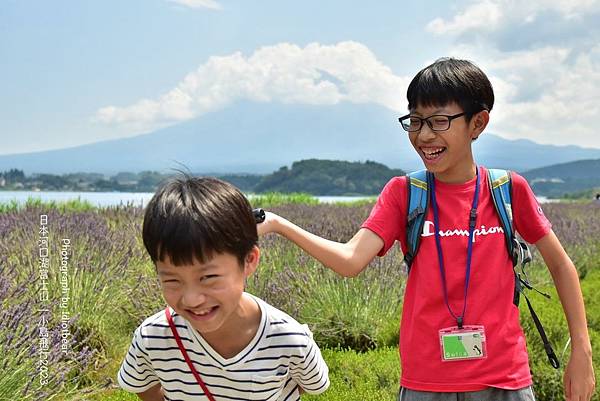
x: 268, y: 225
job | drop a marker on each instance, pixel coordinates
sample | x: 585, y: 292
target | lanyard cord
x: 186, y: 356
x: 436, y: 224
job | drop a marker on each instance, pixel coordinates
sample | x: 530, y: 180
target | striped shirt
x: 281, y: 356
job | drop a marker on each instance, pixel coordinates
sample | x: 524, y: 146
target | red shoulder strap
x: 185, y: 355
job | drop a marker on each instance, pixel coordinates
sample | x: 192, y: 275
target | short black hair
x: 450, y: 80
x: 191, y: 218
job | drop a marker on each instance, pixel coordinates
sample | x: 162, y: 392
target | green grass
x: 357, y: 203
x: 271, y: 199
x: 267, y: 200
x: 373, y: 375
x: 75, y: 205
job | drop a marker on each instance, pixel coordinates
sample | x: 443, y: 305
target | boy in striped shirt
x: 214, y: 341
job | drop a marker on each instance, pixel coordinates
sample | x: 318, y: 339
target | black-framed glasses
x: 437, y: 122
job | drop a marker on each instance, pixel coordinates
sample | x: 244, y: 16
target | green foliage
x: 245, y: 182
x: 355, y: 376
x: 548, y: 382
x: 113, y: 288
x: 74, y: 205
x: 85, y: 287
x: 316, y: 177
x: 145, y: 181
x: 15, y: 372
x: 559, y: 190
x: 116, y: 395
x: 329, y: 177
x: 271, y: 199
x: 586, y: 195
x: 345, y: 312
x: 370, y: 201
x: 10, y: 206
x: 13, y: 176
x: 574, y: 180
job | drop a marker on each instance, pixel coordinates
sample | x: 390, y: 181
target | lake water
x: 117, y: 198
x: 139, y: 198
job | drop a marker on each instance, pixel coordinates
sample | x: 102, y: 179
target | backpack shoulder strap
x: 418, y: 201
x: 500, y: 183
x: 501, y: 188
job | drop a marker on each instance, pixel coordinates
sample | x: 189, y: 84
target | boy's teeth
x: 201, y: 312
x: 430, y: 152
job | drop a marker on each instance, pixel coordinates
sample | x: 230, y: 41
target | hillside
x: 560, y: 179
x: 329, y: 177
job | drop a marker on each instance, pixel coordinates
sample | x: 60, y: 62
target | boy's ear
x: 251, y: 261
x: 478, y: 123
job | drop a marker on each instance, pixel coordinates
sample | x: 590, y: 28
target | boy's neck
x: 239, y: 330
x: 459, y: 174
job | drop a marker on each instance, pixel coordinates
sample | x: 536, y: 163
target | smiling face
x: 208, y: 295
x: 448, y: 153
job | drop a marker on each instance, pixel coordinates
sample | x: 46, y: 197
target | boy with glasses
x: 214, y: 341
x: 449, y: 107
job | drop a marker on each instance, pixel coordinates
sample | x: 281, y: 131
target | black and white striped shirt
x: 281, y: 356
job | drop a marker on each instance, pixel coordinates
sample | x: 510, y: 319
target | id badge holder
x: 467, y: 343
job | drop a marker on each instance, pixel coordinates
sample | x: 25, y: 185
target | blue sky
x: 76, y: 72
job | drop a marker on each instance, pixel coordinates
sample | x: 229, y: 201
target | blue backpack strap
x: 501, y: 188
x: 418, y: 201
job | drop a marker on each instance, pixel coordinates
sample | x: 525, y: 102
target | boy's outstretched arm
x: 347, y: 259
x: 579, y: 378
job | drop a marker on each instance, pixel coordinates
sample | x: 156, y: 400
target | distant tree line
x: 575, y: 180
x: 146, y: 181
x: 588, y: 194
x: 316, y: 177
x: 329, y: 177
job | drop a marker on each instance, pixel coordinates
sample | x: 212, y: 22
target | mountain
x: 524, y: 154
x: 260, y: 138
x: 560, y: 179
x: 580, y: 169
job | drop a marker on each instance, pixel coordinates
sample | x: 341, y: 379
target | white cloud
x: 287, y: 73
x: 212, y: 4
x: 567, y: 111
x: 548, y: 95
x: 489, y: 15
x: 545, y: 83
x: 568, y: 8
x: 484, y: 15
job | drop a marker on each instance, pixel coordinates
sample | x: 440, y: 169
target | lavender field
x: 75, y: 282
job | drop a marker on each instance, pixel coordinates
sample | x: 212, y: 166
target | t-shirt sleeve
x: 528, y: 216
x: 388, y: 216
x: 310, y: 372
x: 136, y: 373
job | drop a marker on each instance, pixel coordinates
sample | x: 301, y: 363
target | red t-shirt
x: 490, y: 294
